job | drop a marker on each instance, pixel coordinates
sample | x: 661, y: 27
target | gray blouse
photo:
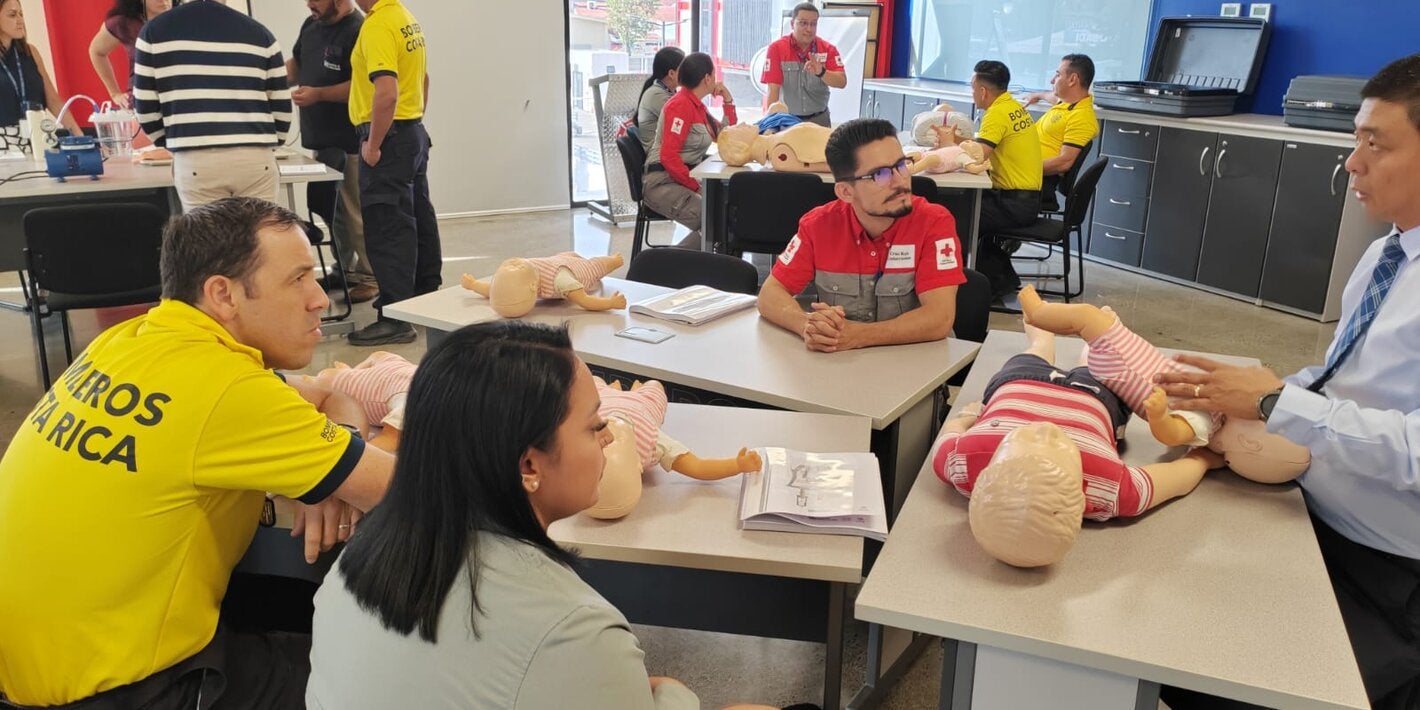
x: 547, y: 641
x: 648, y: 114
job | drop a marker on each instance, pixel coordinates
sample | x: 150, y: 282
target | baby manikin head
x: 1027, y: 504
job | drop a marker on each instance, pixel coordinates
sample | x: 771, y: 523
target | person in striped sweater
x: 209, y: 84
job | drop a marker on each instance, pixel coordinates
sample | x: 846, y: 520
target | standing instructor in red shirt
x: 801, y: 67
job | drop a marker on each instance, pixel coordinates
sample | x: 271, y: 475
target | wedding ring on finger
x: 1197, y: 391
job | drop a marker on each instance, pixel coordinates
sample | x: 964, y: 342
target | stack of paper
x: 796, y: 491
x: 693, y: 305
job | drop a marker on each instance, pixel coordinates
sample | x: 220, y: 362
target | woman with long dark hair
x: 657, y: 90
x: 686, y: 133
x: 451, y: 594
x: 120, y: 28
x: 26, y: 83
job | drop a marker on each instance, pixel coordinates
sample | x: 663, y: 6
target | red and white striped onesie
x: 375, y: 383
x: 644, y: 408
x: 1127, y: 364
x: 584, y: 272
x: 1112, y: 487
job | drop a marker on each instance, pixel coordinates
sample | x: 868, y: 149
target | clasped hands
x: 827, y: 329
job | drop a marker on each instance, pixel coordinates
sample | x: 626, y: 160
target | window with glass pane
x: 950, y: 36
x: 611, y: 37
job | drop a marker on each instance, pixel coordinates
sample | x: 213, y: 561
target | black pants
x: 401, y: 231
x: 1379, y: 597
x: 1003, y: 210
x: 236, y: 671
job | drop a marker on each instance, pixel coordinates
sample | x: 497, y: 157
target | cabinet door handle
x: 1107, y: 233
x: 1218, y: 164
x: 877, y: 109
x: 1134, y: 132
x: 1122, y: 203
x: 1202, y: 157
x: 1332, y: 182
x: 1117, y: 166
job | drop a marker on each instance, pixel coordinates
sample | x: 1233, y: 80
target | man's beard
x: 895, y: 212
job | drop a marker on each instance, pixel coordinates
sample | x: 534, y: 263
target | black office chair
x: 973, y: 312
x: 323, y: 199
x: 678, y: 268
x: 765, y: 207
x: 924, y: 187
x: 1058, y: 232
x: 633, y: 156
x: 89, y: 256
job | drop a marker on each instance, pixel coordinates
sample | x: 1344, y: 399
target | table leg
x: 890, y: 653
x: 291, y: 195
x: 958, y: 671
x: 975, y: 228
x: 712, y: 216
x: 833, y: 646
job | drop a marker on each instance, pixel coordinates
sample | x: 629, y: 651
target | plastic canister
x: 116, y: 129
x: 33, y: 130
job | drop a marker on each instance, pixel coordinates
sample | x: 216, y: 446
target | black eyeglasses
x: 883, y: 176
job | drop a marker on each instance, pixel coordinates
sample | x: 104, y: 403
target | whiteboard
x: 498, y: 100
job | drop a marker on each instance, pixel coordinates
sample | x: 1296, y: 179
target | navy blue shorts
x: 1035, y: 369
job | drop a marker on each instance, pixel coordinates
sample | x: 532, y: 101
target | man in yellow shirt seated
x: 1069, y: 125
x: 1013, y: 147
x: 134, y: 486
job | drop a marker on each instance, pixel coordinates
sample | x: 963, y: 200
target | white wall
x: 498, y: 99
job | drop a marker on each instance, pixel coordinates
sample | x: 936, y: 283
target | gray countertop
x: 1223, y: 591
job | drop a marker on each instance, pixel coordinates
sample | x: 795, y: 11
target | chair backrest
x: 1067, y: 181
x: 924, y: 187
x: 973, y: 311
x: 93, y: 254
x: 633, y: 156
x: 321, y: 198
x: 678, y: 268
x: 765, y: 207
x: 1084, y: 191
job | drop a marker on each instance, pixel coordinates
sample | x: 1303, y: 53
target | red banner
x: 72, y: 24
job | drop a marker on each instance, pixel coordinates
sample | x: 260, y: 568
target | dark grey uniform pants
x: 401, y: 231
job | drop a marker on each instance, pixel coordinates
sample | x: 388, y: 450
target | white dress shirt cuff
x: 1298, y: 411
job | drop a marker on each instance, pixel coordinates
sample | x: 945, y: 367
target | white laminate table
x: 715, y: 176
x: 741, y: 581
x: 743, y: 360
x: 1223, y: 591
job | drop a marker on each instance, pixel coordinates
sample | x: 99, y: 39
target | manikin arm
x: 479, y: 287
x: 716, y: 469
x: 1179, y: 477
x: 1169, y: 428
x: 595, y: 303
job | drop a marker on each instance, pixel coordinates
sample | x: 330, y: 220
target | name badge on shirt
x: 902, y: 256
x: 946, y: 254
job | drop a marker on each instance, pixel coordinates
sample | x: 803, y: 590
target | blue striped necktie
x: 1382, y: 278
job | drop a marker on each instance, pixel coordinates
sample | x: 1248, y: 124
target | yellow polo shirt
x: 391, y: 43
x: 1015, y: 154
x: 131, y: 491
x: 1067, y: 124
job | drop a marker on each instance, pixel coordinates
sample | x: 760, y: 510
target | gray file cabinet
x: 1122, y: 204
x: 1301, y: 244
x: 1239, y: 213
x: 883, y: 104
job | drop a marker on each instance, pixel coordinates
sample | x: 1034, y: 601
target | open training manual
x: 797, y: 491
x: 693, y: 305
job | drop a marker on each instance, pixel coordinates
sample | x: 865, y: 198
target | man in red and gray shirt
x: 886, y: 264
x: 801, y: 67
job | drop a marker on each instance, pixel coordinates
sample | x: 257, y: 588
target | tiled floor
x: 723, y: 668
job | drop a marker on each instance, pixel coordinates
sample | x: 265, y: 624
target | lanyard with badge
x: 19, y: 86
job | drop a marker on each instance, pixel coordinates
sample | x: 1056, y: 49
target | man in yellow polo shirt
x: 133, y: 487
x: 389, y: 87
x: 1012, y: 145
x: 1069, y: 125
